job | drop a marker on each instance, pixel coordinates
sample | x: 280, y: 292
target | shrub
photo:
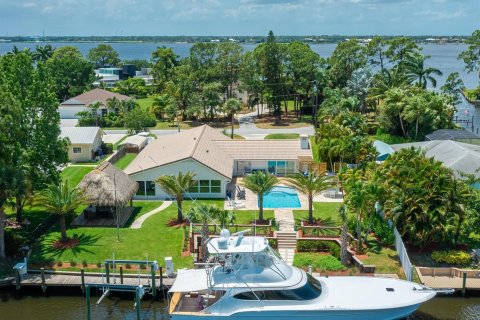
x: 128, y: 266
x: 84, y: 263
x: 273, y: 242
x: 73, y: 263
x: 451, y: 257
x: 318, y: 262
x: 14, y: 241
x: 383, y: 231
x: 319, y: 246
x: 143, y: 267
x: 99, y: 264
x: 59, y: 263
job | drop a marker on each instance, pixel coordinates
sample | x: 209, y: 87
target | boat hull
x: 384, y: 314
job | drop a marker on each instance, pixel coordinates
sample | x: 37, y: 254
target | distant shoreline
x: 238, y: 39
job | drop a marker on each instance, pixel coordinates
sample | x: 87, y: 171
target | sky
x: 238, y: 17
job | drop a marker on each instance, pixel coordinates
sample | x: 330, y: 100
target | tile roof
x: 264, y: 149
x: 92, y: 96
x: 80, y: 135
x: 214, y: 150
x: 197, y: 144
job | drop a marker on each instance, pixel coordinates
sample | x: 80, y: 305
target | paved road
x: 247, y: 129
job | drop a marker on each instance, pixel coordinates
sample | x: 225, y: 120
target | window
x: 194, y: 188
x: 204, y: 186
x: 311, y: 290
x: 141, y: 188
x: 77, y: 150
x: 104, y: 112
x: 290, y: 167
x: 215, y: 186
x: 150, y: 188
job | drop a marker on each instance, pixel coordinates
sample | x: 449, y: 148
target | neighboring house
x: 84, y: 142
x: 461, y: 135
x: 133, y: 144
x: 69, y: 109
x: 215, y: 159
x: 458, y: 156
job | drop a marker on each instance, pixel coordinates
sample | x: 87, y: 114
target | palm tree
x: 94, y: 108
x: 384, y: 81
x: 414, y: 67
x: 43, y: 53
x: 342, y: 213
x: 177, y: 186
x: 260, y: 183
x: 203, y: 213
x: 61, y: 200
x: 231, y: 107
x: 311, y: 185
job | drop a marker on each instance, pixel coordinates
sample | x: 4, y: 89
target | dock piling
x: 44, y: 285
x: 107, y: 271
x: 17, y: 279
x: 138, y: 298
x: 82, y: 274
x: 464, y: 284
x: 153, y: 272
x: 121, y: 275
x: 87, y: 296
x: 161, y: 277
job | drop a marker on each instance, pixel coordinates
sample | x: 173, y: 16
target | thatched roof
x: 99, y: 186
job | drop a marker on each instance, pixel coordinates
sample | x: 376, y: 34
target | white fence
x: 403, y: 255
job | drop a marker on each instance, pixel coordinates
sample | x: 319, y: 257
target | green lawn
x: 385, y: 259
x: 321, y: 210
x: 155, y: 239
x: 275, y: 136
x: 125, y: 160
x: 145, y: 103
x: 75, y: 174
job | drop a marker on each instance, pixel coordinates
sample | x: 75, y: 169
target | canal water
x: 56, y: 307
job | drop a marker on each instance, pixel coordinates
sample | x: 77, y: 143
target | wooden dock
x: 74, y: 279
x: 453, y: 278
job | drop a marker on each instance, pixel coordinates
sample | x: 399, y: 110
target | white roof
x: 190, y: 281
x: 135, y: 140
x: 80, y: 135
x: 458, y: 156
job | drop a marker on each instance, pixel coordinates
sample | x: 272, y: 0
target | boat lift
x: 140, y: 290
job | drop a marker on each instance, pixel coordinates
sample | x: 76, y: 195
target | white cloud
x: 443, y: 15
x: 28, y: 5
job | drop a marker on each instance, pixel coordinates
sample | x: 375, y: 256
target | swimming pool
x: 281, y: 197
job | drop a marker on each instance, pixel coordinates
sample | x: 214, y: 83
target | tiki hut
x: 107, y: 190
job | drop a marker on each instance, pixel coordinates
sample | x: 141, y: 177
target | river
x: 56, y: 307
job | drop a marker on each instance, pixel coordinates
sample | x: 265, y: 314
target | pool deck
x: 250, y: 202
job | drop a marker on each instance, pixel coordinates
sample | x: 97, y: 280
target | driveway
x: 250, y: 131
x: 247, y: 129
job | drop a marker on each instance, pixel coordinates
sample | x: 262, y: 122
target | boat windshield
x: 311, y: 290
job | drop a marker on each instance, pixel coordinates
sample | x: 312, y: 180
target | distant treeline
x: 241, y: 39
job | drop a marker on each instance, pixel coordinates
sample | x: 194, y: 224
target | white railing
x: 403, y: 255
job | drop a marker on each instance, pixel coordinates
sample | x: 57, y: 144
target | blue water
x: 281, y: 197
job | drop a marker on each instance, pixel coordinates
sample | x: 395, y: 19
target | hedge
x: 319, y: 246
x: 452, y: 257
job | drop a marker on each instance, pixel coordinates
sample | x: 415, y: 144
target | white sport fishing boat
x: 248, y: 280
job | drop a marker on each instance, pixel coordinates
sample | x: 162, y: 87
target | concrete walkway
x: 137, y: 224
x: 284, y: 219
x: 286, y: 235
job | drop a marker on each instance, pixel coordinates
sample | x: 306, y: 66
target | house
x: 84, y: 142
x: 458, y: 156
x: 69, y: 108
x: 215, y: 159
x: 461, y: 135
